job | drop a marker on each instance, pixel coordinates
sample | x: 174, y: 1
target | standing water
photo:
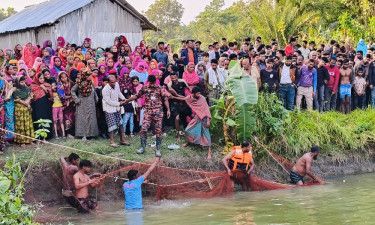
x: 346, y: 200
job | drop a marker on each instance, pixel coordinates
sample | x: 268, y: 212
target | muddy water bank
x: 43, y: 183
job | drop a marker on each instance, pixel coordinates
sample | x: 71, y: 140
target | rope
x: 93, y: 153
x: 112, y: 157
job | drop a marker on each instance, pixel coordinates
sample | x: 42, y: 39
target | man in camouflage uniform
x: 153, y: 112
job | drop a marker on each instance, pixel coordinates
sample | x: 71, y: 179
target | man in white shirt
x: 287, y: 73
x: 304, y: 50
x: 112, y: 110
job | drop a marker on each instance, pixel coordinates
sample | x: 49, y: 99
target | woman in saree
x: 42, y: 101
x: 23, y: 119
x: 30, y: 53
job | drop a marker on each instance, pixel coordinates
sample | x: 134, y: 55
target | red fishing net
x: 172, y: 183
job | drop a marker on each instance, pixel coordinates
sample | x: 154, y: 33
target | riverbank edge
x: 43, y: 182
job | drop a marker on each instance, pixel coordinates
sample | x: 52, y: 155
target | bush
x: 12, y: 211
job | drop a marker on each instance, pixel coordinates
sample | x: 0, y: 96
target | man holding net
x: 240, y: 163
x: 132, y: 188
x: 303, y: 167
x: 154, y: 96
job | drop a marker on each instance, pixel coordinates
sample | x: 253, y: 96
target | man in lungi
x: 198, y: 132
x: 112, y: 109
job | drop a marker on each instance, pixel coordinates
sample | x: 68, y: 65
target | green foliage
x: 43, y: 124
x: 12, y: 211
x: 166, y: 16
x: 5, y: 13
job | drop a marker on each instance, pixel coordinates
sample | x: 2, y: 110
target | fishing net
x: 288, y: 166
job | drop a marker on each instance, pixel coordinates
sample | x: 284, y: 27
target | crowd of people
x: 89, y: 91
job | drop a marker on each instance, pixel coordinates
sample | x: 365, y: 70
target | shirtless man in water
x: 69, y: 169
x: 303, y: 167
x: 81, y: 183
x: 345, y: 87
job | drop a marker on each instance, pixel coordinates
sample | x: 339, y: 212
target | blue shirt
x: 133, y: 193
x: 161, y: 57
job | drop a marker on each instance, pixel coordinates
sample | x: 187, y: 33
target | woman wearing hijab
x: 181, y: 67
x: 3, y: 84
x: 100, y: 53
x: 191, y: 77
x: 18, y: 52
x: 84, y: 95
x: 30, y: 53
x: 48, y: 44
x: 8, y: 104
x: 23, y: 118
x: 56, y: 66
x: 102, y: 73
x: 42, y: 102
x: 47, y: 55
x: 69, y: 63
x: 362, y: 47
x: 200, y: 69
x: 125, y: 81
x: 22, y: 66
x: 60, y: 42
x: 63, y: 54
x: 140, y: 71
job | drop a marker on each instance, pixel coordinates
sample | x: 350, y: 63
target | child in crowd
x: 359, y: 86
x: 130, y: 111
x: 57, y: 112
x: 137, y: 87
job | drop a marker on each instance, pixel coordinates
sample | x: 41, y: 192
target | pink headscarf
x: 144, y: 64
x: 63, y: 42
x: 154, y: 72
x: 37, y: 63
x: 28, y: 56
x: 22, y: 65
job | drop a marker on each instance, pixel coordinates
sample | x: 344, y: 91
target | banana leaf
x: 243, y: 87
x: 245, y: 121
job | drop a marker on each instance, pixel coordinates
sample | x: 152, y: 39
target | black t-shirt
x: 271, y: 79
x: 179, y: 88
x: 217, y: 55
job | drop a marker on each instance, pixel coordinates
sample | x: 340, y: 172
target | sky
x: 191, y: 6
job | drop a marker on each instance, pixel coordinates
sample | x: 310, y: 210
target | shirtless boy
x: 345, y: 87
x: 303, y: 167
x: 69, y: 169
x: 81, y: 183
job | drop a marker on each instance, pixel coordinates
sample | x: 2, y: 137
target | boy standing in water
x: 81, y: 183
x: 133, y: 190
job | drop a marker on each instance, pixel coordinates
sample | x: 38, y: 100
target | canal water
x: 343, y: 200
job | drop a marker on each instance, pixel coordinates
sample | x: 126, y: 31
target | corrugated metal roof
x: 41, y: 14
x: 49, y: 12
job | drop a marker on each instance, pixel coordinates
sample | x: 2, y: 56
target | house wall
x: 101, y: 21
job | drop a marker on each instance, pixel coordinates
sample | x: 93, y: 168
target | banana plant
x: 232, y: 109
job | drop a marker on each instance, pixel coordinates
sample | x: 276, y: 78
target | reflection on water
x: 337, y: 202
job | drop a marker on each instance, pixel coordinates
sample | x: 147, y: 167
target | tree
x: 5, y: 13
x: 215, y: 23
x: 166, y: 16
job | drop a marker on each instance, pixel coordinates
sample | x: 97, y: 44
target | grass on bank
x: 49, y: 153
x: 337, y: 134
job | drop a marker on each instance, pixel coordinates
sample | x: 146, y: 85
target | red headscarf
x: 37, y: 91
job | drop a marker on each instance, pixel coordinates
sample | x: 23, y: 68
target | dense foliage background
x: 312, y: 20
